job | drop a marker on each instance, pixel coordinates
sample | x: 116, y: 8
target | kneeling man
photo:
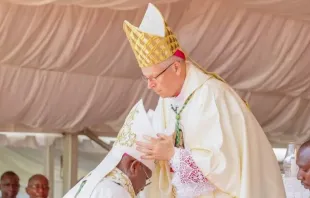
x: 122, y: 173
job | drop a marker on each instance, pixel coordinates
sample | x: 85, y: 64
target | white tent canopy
x: 66, y: 64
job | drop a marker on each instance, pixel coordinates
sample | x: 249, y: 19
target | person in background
x: 9, y: 185
x: 38, y: 186
x: 303, y: 162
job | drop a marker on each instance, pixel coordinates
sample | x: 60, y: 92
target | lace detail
x: 188, y: 180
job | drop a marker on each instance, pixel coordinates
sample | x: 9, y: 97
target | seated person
x: 122, y: 173
x: 37, y: 186
x: 303, y: 162
x: 9, y: 185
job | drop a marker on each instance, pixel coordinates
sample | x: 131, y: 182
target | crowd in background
x: 37, y: 187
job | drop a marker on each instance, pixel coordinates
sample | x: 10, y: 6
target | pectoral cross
x: 179, y: 143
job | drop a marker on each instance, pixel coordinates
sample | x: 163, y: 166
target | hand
x: 161, y: 148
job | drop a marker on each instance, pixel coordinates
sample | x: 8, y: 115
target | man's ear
x: 177, y: 67
x: 134, y: 167
x: 26, y: 189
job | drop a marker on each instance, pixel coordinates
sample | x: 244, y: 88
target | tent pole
x: 70, y: 161
x: 49, y: 167
x: 95, y: 138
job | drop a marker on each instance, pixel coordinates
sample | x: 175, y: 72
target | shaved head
x: 33, y: 178
x: 8, y: 174
x: 136, y: 171
x: 305, y: 145
x: 303, y: 154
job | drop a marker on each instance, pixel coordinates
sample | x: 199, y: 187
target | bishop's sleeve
x: 215, y: 143
x: 188, y: 180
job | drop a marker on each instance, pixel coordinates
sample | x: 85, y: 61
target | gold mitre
x: 153, y: 41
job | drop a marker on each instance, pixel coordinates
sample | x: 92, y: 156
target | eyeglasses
x: 148, y: 179
x: 154, y: 78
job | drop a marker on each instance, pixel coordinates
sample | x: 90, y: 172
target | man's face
x: 143, y: 176
x: 162, y: 80
x: 303, y: 162
x: 9, y: 186
x: 38, y: 187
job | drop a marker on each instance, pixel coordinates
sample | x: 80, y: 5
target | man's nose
x: 40, y: 190
x: 11, y: 187
x: 300, y: 175
x: 150, y: 84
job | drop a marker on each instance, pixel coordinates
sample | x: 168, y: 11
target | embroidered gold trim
x: 126, y: 136
x: 120, y: 178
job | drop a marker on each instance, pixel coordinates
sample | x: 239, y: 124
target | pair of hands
x: 160, y: 148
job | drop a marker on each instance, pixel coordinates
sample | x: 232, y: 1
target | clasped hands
x: 160, y: 148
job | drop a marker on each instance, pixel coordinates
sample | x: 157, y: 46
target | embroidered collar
x: 120, y: 178
x: 194, y: 79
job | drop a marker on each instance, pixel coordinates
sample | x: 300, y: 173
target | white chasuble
x: 116, y: 184
x: 226, y: 153
x: 109, y: 189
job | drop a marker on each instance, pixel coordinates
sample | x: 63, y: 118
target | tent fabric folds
x: 66, y: 65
